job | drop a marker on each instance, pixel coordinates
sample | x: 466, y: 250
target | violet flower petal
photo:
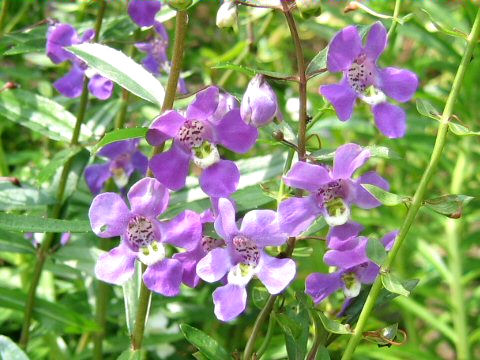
x: 230, y: 301
x: 275, y: 273
x: 225, y: 225
x: 319, y: 286
x: 297, y: 214
x: 140, y: 162
x: 96, y: 176
x: 71, y: 85
x: 389, y: 239
x: 346, y: 259
x: 399, y: 84
x: 58, y: 37
x: 348, y: 158
x: 184, y: 230
x: 109, y: 216
x: 338, y: 235
x: 367, y: 272
x: 171, y: 167
x: 344, y: 48
x: 148, y: 197
x: 306, y: 176
x: 376, y: 41
x: 100, y: 87
x: 165, y: 127
x: 235, y: 134
x: 143, y: 12
x: 204, y: 105
x: 117, y: 148
x: 189, y: 260
x: 263, y: 228
x: 390, y: 120
x: 164, y: 277
x: 116, y: 266
x: 220, y: 179
x: 214, y: 265
x: 342, y: 97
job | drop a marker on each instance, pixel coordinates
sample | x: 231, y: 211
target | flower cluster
x: 195, y: 137
x: 61, y: 36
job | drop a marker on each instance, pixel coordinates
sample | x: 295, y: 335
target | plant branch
x: 420, y: 193
x: 181, y: 22
x: 55, y: 213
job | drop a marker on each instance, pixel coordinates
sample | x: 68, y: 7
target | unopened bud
x: 227, y: 15
x: 179, y: 5
x: 278, y: 135
x: 259, y: 104
x: 309, y: 7
x: 353, y: 6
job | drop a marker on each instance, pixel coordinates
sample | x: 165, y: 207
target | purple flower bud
x: 259, y: 104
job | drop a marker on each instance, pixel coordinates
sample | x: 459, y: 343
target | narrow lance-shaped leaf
x: 56, y: 163
x: 119, y: 135
x: 449, y: 205
x: 385, y: 197
x: 9, y: 350
x: 24, y: 223
x: 121, y: 69
x: 22, y: 198
x: 206, y: 344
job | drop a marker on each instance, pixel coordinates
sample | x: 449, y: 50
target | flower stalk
x: 181, y: 22
x: 420, y: 193
x: 55, y: 212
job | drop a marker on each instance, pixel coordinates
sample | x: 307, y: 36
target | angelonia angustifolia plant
x: 213, y: 190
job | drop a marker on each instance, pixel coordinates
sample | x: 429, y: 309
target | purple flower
x: 37, y: 238
x: 156, y: 48
x: 348, y: 253
x: 60, y: 36
x: 244, y: 257
x: 360, y: 71
x: 332, y: 190
x: 211, y: 119
x: 142, y: 236
x: 259, y: 103
x: 142, y: 12
x: 124, y: 158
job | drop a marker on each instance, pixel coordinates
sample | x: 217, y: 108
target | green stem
x: 181, y: 22
x: 57, y: 208
x: 264, y: 315
x: 420, y: 193
x: 3, y: 160
x: 302, y: 83
x: 396, y: 12
x: 3, y: 15
x: 453, y: 229
x: 268, y: 337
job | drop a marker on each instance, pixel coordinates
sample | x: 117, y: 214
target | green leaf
x: 10, y: 351
x: 428, y: 110
x: 55, y: 314
x: 295, y: 323
x: 394, y: 284
x: 446, y: 30
x: 131, y: 355
x: 118, y: 135
x: 206, y: 344
x: 461, y: 130
x: 40, y: 114
x: 289, y: 325
x: 302, y: 251
x: 15, y: 243
x: 375, y: 151
x: 334, y: 326
x: 449, y: 205
x: 260, y: 296
x: 376, y: 251
x: 32, y: 45
x: 385, y: 197
x: 131, y: 293
x: 21, y: 198
x: 318, y: 63
x: 24, y: 223
x: 121, y: 69
x: 251, y: 71
x: 56, y: 163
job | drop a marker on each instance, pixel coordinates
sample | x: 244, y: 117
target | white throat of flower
x: 205, y: 155
x: 152, y: 253
x: 120, y: 177
x: 376, y: 97
x: 241, y: 274
x: 352, y: 285
x: 337, y: 212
